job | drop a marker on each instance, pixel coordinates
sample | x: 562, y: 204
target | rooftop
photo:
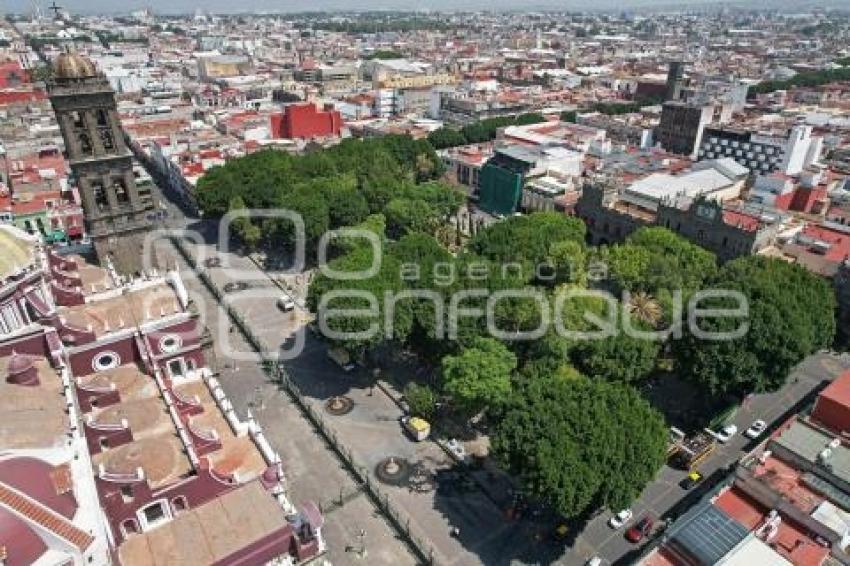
x: 127, y: 310
x: 790, y: 541
x: 209, y: 533
x: 838, y: 390
x: 33, y: 415
x: 16, y: 250
x: 707, y: 534
x: 809, y: 443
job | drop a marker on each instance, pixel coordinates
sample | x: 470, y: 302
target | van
x: 285, y: 304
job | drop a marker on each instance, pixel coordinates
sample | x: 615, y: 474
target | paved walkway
x: 313, y: 471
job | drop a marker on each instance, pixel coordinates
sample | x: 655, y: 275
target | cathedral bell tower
x: 117, y: 213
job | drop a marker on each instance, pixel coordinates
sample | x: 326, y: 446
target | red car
x: 640, y: 529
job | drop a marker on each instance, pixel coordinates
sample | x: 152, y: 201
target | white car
x: 726, y: 433
x: 756, y: 429
x: 620, y: 519
x: 285, y: 304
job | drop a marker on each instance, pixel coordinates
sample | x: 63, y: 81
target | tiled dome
x: 73, y: 66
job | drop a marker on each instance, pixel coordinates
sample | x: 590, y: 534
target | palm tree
x: 644, y: 306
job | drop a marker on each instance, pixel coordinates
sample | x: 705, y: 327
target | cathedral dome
x: 73, y: 66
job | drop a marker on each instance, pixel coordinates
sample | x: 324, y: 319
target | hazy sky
x: 189, y: 6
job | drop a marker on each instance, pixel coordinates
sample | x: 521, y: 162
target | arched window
x: 121, y: 194
x: 85, y: 144
x: 100, y: 199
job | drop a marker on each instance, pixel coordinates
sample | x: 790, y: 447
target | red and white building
x: 306, y: 121
x: 118, y: 443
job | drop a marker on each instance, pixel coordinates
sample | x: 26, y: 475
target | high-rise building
x: 117, y: 212
x: 675, y: 77
x: 789, y: 152
x: 681, y: 126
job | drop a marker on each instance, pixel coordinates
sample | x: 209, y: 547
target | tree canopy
x: 655, y: 258
x: 332, y: 188
x: 481, y: 131
x: 790, y: 315
x: 578, y: 443
x: 527, y: 239
x: 480, y: 376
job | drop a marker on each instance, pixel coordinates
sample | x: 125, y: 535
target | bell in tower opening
x: 117, y: 212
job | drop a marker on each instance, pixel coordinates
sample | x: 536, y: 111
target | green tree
x: 616, y: 358
x: 406, y: 215
x: 355, y: 307
x: 791, y: 314
x: 655, y: 258
x: 244, y: 229
x: 346, y: 206
x: 421, y: 400
x: 568, y: 259
x: 529, y: 118
x: 375, y: 223
x: 446, y: 137
x: 579, y: 444
x: 527, y: 239
x: 480, y: 376
x: 569, y: 116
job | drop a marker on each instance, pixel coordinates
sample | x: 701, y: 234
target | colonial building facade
x: 707, y: 223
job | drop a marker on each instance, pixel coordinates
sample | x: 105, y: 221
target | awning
x: 56, y: 236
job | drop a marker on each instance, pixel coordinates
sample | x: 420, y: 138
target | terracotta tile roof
x: 43, y: 516
x: 741, y: 220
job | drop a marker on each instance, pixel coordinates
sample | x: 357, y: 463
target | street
x: 662, y: 495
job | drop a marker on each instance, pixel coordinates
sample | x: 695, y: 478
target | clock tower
x: 117, y: 213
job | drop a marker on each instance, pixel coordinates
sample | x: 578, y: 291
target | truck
x: 417, y: 428
x: 693, y: 450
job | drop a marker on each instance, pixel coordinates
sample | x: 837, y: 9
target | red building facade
x: 306, y: 121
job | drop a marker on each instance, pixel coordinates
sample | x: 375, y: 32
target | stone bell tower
x: 117, y: 213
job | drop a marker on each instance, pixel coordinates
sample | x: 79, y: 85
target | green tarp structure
x: 500, y: 189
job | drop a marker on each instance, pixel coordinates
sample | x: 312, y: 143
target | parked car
x: 595, y: 561
x: 285, y: 303
x: 756, y: 429
x: 691, y: 480
x: 726, y: 433
x: 640, y: 529
x: 233, y: 286
x: 620, y: 519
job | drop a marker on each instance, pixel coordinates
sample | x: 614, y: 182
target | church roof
x: 73, y: 66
